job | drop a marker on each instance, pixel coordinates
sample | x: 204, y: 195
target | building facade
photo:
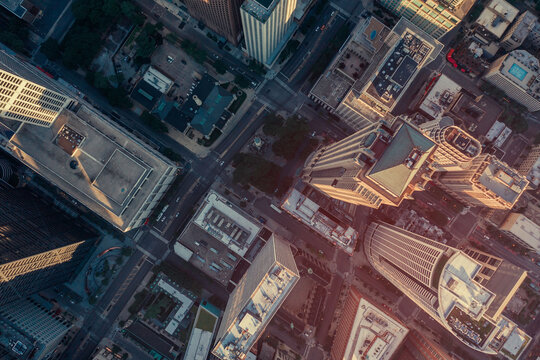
x: 459, y: 292
x: 417, y: 347
x: 367, y: 330
x: 456, y: 149
x: 34, y: 318
x: 434, y: 17
x: 267, y: 27
x: 256, y: 299
x: 519, y: 31
x: 222, y: 16
x: 375, y: 166
x: 40, y: 247
x: 487, y: 182
x: 530, y: 166
x: 517, y: 74
x: 522, y: 230
x: 27, y: 95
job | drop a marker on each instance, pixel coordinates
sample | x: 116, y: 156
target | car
x: 313, y: 133
x: 323, y: 27
x: 254, y: 83
x: 317, y: 29
x: 170, y: 59
x: 126, y: 59
x: 221, y: 163
x: 178, y: 213
x: 181, y: 25
x: 261, y: 220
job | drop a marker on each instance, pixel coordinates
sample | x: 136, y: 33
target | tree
x: 153, y: 122
x: 51, y: 49
x: 257, y: 171
x: 272, y: 125
x: 241, y: 81
x: 80, y: 47
x: 111, y: 7
x: 220, y: 66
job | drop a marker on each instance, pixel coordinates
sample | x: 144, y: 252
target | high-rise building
x: 496, y: 18
x: 267, y: 27
x: 523, y: 230
x: 519, y: 31
x: 84, y: 153
x: 222, y: 16
x: 434, y: 17
x: 517, y: 74
x: 256, y: 299
x: 374, y: 166
x: 456, y: 149
x: 366, y: 331
x: 27, y: 95
x: 530, y: 166
x: 486, y: 182
x: 33, y: 326
x: 457, y: 289
x: 39, y: 246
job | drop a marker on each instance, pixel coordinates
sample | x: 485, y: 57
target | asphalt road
x: 328, y: 314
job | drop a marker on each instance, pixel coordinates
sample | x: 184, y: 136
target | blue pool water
x: 518, y: 72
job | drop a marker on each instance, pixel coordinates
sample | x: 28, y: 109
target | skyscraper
x: 366, y: 330
x: 27, y: 95
x: 374, y: 166
x: 487, y: 182
x: 456, y: 149
x: 458, y: 290
x: 256, y: 299
x: 434, y: 17
x: 418, y: 347
x: 79, y: 149
x: 39, y: 246
x: 222, y: 16
x: 267, y: 26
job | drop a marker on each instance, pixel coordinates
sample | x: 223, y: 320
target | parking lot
x: 181, y: 69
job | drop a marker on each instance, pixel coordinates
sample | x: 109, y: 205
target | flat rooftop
x: 522, y: 68
x: 497, y: 16
x: 399, y: 67
x: 260, y: 9
x: 503, y: 181
x: 227, y: 223
x: 462, y: 142
x: 441, y: 95
x: 94, y: 161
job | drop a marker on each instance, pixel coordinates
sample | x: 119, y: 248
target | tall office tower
x: 530, y: 166
x: 39, y: 246
x: 516, y: 74
x: 435, y: 17
x: 418, y: 347
x: 27, y: 95
x: 256, y: 299
x: 34, y: 327
x: 458, y: 290
x: 456, y: 149
x: 366, y: 331
x: 487, y: 182
x: 267, y: 27
x: 222, y: 16
x: 516, y: 35
x: 374, y: 166
x: 86, y: 155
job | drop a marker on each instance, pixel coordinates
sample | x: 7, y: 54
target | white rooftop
x: 503, y: 181
x: 157, y: 80
x: 516, y: 343
x: 227, y: 223
x: 525, y: 229
x: 495, y: 130
x: 497, y: 16
x: 185, y: 305
x: 522, y: 69
x: 440, y: 97
x: 307, y: 211
x: 374, y: 334
x: 199, y: 344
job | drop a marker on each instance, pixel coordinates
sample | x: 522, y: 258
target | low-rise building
x: 219, y: 237
x: 151, y: 88
x: 366, y: 330
x: 330, y: 224
x: 23, y: 9
x: 523, y: 230
x: 517, y: 74
x: 200, y: 340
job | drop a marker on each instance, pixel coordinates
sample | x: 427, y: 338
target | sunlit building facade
x: 463, y: 291
x: 256, y: 299
x: 266, y: 25
x: 39, y: 246
x: 456, y: 149
x: 27, y: 95
x: 379, y: 165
